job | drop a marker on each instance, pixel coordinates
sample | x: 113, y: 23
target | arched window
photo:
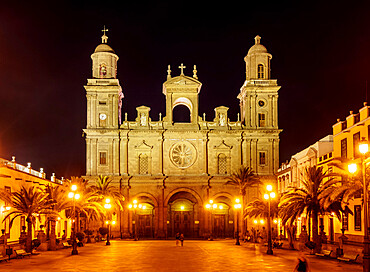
x: 143, y: 164
x: 222, y: 164
x: 260, y: 71
x: 103, y: 70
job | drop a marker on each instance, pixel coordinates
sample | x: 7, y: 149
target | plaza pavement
x: 154, y: 255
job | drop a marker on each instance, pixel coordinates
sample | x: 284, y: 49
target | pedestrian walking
x: 182, y: 239
x: 302, y: 264
x: 177, y: 238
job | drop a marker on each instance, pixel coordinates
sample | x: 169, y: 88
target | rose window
x: 183, y: 154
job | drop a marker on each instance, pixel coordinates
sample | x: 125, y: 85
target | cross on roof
x: 104, y: 38
x: 104, y: 30
x: 182, y: 67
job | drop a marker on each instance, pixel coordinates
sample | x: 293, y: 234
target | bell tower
x: 259, y: 94
x: 259, y: 110
x: 104, y: 102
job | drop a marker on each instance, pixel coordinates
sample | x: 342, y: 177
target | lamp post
x: 133, y: 206
x: 268, y: 197
x: 107, y: 206
x: 237, y: 207
x: 75, y: 196
x: 211, y: 206
x: 352, y: 168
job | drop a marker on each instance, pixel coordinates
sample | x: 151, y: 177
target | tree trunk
x: 290, y: 231
x: 53, y: 237
x: 315, y: 231
x: 29, y: 236
x: 244, y: 221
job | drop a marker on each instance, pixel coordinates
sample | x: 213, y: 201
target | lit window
x: 260, y: 70
x: 261, y: 120
x: 262, y: 158
x: 343, y: 148
x: 222, y: 166
x: 143, y: 164
x: 103, y: 70
x: 103, y: 158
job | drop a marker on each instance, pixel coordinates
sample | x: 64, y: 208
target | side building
x: 172, y: 167
x: 14, y: 176
x: 347, y: 136
x: 291, y: 174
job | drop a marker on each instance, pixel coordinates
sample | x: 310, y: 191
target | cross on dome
x: 182, y: 67
x: 104, y: 38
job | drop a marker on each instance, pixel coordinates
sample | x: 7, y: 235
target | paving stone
x: 204, y: 256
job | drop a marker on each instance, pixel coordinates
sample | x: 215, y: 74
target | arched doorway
x: 223, y: 220
x: 183, y: 215
x: 141, y: 217
x: 145, y: 217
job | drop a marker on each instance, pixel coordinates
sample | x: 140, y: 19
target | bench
x: 277, y: 245
x: 66, y: 245
x: 324, y: 253
x: 21, y: 253
x: 348, y: 257
x: 2, y: 258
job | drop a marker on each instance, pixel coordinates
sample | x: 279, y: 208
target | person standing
x: 182, y: 239
x: 177, y: 238
x: 302, y: 264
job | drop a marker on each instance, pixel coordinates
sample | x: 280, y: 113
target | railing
x: 264, y: 82
x: 25, y: 169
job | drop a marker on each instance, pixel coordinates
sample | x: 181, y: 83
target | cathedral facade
x: 172, y: 169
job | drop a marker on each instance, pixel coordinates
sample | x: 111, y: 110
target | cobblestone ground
x: 202, y: 256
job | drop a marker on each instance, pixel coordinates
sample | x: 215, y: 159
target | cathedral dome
x: 257, y: 47
x: 103, y: 47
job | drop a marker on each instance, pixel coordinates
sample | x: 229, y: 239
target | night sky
x: 320, y: 58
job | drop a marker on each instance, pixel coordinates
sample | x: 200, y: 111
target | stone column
x: 93, y: 111
x: 160, y: 159
x: 254, y: 154
x: 271, y: 112
x: 94, y: 157
x: 124, y: 154
x: 276, y: 119
x: 205, y: 153
x: 161, y: 218
x: 88, y: 156
x: 126, y: 218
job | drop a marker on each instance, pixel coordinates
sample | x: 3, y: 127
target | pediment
x: 143, y: 146
x: 223, y: 145
x: 181, y: 82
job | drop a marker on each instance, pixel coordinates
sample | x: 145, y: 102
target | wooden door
x: 145, y: 226
x: 219, y: 226
x: 181, y: 223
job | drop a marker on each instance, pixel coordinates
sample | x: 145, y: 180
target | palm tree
x: 260, y: 208
x: 89, y: 206
x: 311, y: 199
x: 244, y: 178
x: 29, y: 202
x: 104, y: 188
x: 58, y: 202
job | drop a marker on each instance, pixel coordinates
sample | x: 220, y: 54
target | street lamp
x: 107, y: 206
x: 133, y: 206
x: 75, y: 196
x: 268, y: 197
x: 237, y: 207
x: 211, y: 206
x: 352, y: 168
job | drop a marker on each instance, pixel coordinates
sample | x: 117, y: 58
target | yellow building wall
x: 346, y: 129
x: 12, y: 177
